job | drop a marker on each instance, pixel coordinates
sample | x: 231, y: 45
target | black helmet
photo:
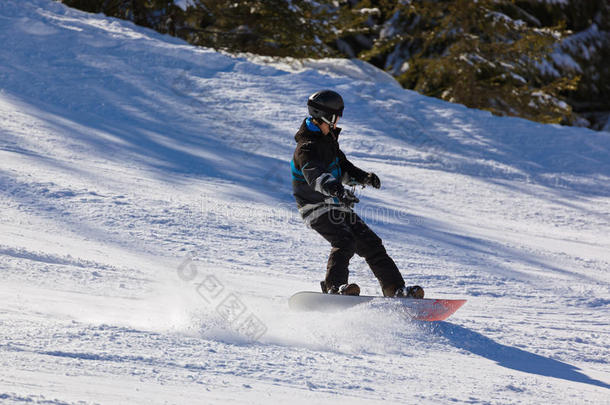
x: 326, y: 105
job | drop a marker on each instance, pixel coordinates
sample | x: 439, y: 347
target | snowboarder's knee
x: 371, y: 249
x: 346, y: 244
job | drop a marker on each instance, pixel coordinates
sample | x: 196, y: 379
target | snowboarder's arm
x: 314, y: 172
x: 348, y: 167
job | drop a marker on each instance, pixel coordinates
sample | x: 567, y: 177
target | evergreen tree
x: 475, y: 54
x: 267, y: 27
x: 148, y: 13
x: 586, y: 52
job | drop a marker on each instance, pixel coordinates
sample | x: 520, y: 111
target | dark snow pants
x: 348, y: 234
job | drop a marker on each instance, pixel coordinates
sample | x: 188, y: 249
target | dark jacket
x: 316, y: 164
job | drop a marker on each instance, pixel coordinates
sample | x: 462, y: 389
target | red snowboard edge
x: 437, y: 310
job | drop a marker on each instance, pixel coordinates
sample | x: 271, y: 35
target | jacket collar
x: 311, y: 126
x: 309, y: 129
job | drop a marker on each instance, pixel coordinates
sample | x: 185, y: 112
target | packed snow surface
x: 149, y: 241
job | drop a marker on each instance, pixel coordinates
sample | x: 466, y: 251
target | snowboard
x: 426, y: 309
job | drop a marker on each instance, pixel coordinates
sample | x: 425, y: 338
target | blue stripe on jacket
x: 296, y: 174
x: 333, y: 168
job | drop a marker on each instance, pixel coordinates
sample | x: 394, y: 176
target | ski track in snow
x: 140, y: 176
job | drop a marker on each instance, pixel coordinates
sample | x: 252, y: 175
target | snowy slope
x: 145, y: 186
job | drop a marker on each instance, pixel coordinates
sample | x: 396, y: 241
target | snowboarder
x: 319, y: 169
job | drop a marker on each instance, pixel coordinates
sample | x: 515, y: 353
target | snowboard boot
x: 413, y: 291
x: 344, y: 289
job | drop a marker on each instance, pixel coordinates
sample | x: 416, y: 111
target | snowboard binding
x: 413, y: 291
x: 344, y: 289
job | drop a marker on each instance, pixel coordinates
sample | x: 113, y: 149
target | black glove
x: 372, y: 179
x: 335, y: 189
x: 348, y: 198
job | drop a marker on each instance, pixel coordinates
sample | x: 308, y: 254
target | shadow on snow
x: 511, y: 357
